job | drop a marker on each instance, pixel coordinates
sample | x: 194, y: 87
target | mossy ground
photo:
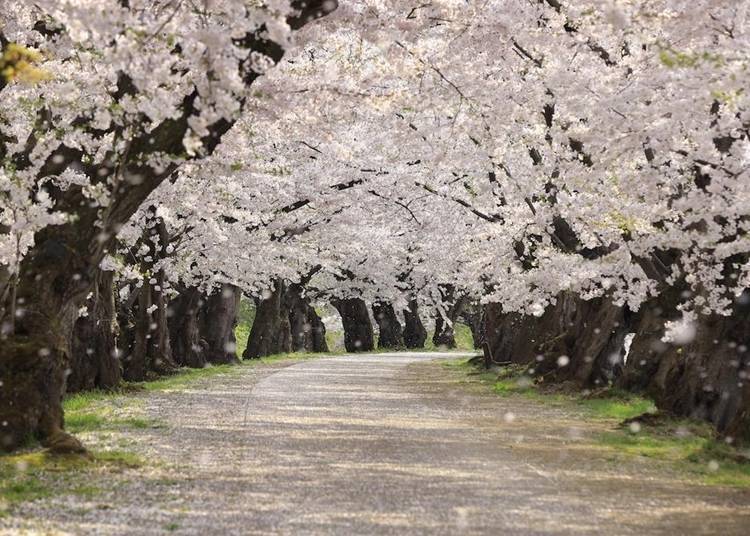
x: 689, y: 446
x: 34, y: 474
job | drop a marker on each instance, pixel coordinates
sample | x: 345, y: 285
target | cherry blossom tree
x: 135, y: 89
x: 579, y: 167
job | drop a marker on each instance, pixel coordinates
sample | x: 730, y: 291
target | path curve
x: 388, y: 444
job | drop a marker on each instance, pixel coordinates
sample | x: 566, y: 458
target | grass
x: 689, y: 446
x: 84, y: 400
x: 184, y: 377
x: 512, y: 381
x: 84, y: 412
x: 698, y: 453
x: 618, y: 405
x: 462, y: 335
x: 28, y: 476
x: 33, y: 474
x: 89, y: 422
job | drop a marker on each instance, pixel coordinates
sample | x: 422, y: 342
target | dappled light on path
x: 383, y: 444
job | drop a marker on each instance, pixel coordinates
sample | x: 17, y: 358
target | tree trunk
x: 415, y: 333
x: 358, y: 334
x: 472, y: 317
x: 36, y: 342
x: 575, y: 340
x: 517, y: 338
x: 299, y: 322
x: 188, y: 349
x: 390, y: 331
x: 271, y: 332
x: 307, y: 329
x: 95, y: 362
x: 318, y: 331
x: 586, y: 346
x: 218, y: 319
x: 704, y: 378
x: 444, y: 336
x: 151, y: 350
x: 647, y: 348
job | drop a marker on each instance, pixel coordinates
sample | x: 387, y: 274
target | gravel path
x: 376, y: 444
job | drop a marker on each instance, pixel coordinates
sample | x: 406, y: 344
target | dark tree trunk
x: 271, y: 332
x: 299, y: 322
x: 587, y: 347
x: 358, y: 334
x: 318, y: 331
x: 307, y: 329
x: 647, y: 349
x: 444, y: 335
x: 472, y: 317
x: 415, y: 333
x: 218, y: 319
x: 575, y: 340
x: 390, y: 331
x: 151, y: 351
x: 704, y: 378
x: 188, y: 349
x: 36, y: 341
x: 95, y: 362
x: 517, y: 338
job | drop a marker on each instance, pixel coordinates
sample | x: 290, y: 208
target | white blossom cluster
x: 511, y: 148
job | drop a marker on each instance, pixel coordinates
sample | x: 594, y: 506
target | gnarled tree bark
x: 307, y: 329
x: 271, y: 331
x: 217, y: 321
x: 188, y: 349
x: 390, y: 332
x: 444, y: 335
x: 358, y: 333
x: 151, y: 350
x: 472, y: 317
x: 299, y: 323
x: 318, y: 331
x: 95, y: 362
x: 575, y: 340
x: 704, y: 378
x: 415, y: 333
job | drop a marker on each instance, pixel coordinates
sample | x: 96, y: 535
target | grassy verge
x: 86, y: 411
x: 33, y: 474
x: 636, y: 428
x: 29, y: 476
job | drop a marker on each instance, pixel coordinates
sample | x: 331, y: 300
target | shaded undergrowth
x: 635, y: 428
